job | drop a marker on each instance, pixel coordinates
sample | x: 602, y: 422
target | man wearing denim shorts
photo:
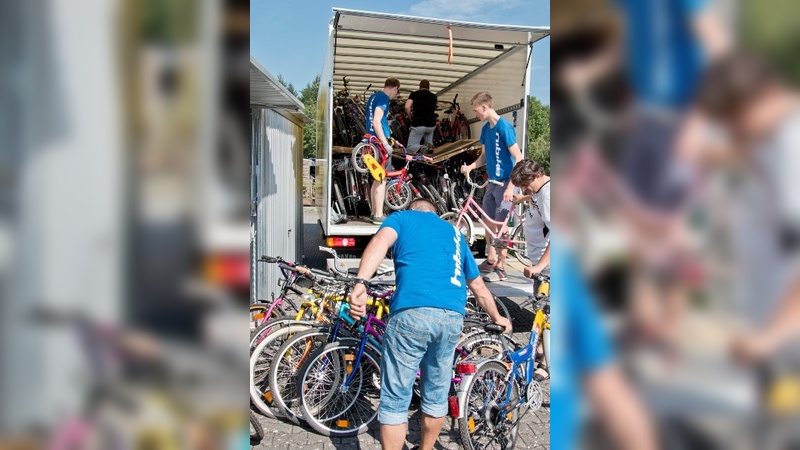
x: 500, y: 153
x: 433, y: 267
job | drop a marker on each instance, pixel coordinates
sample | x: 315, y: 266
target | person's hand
x: 358, y: 301
x: 529, y: 272
x: 518, y: 198
x: 748, y: 348
x: 505, y: 323
x: 388, y: 147
x: 465, y: 168
x: 508, y: 194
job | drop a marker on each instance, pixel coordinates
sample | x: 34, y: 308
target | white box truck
x: 368, y: 47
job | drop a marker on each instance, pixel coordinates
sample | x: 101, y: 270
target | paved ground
x: 534, y: 432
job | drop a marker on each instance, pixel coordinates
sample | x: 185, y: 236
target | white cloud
x: 469, y: 10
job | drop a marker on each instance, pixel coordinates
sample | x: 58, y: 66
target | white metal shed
x: 276, y: 189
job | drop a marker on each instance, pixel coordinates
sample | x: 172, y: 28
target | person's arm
x: 486, y: 301
x: 619, y: 409
x: 783, y: 326
x: 708, y: 28
x: 378, y: 127
x: 475, y: 164
x: 370, y: 260
x: 409, y: 102
x: 519, y: 198
x: 516, y: 153
x: 540, y: 265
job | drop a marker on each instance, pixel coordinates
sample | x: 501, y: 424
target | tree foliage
x: 539, y: 133
x: 289, y: 86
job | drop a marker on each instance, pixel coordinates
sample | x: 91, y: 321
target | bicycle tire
x: 520, y: 250
x: 481, y: 427
x: 475, y: 312
x: 258, y: 315
x: 398, y: 199
x: 260, y: 363
x: 256, y: 430
x: 340, y: 415
x: 466, y: 226
x: 284, y: 371
x: 361, y: 149
x: 337, y: 191
x: 267, y: 327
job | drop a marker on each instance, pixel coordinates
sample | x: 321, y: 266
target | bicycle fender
x: 377, y: 171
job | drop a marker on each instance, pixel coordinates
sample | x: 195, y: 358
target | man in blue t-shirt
x: 378, y: 125
x: 500, y: 153
x: 433, y: 267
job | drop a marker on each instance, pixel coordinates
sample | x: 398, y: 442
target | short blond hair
x: 482, y: 98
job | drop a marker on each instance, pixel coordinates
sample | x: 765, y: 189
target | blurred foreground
x: 124, y: 160
x: 675, y: 131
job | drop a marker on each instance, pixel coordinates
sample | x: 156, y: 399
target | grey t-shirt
x: 537, y: 218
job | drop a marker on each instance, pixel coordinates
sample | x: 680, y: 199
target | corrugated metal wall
x: 278, y: 224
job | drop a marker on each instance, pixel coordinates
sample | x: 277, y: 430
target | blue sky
x: 288, y: 37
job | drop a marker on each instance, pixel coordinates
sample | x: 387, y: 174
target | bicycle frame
x: 472, y: 207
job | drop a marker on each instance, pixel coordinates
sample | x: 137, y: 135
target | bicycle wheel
x: 478, y: 347
x: 267, y: 327
x: 465, y: 227
x: 520, y: 249
x: 398, y: 197
x: 483, y: 427
x: 474, y: 311
x: 258, y: 315
x: 260, y: 363
x: 337, y: 191
x: 256, y: 430
x: 361, y: 149
x: 328, y: 406
x: 462, y: 130
x: 289, y: 359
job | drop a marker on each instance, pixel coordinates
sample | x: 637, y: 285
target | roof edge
x: 354, y: 12
x: 278, y: 85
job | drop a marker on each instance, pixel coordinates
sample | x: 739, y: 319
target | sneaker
x: 376, y: 220
x: 486, y: 266
x: 497, y: 274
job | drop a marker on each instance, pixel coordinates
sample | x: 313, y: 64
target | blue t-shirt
x: 496, y: 142
x: 664, y: 56
x: 432, y: 262
x: 378, y: 100
x: 579, y: 344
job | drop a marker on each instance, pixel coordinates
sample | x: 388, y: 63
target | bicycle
x: 458, y: 128
x: 292, y: 275
x: 496, y: 394
x: 462, y: 220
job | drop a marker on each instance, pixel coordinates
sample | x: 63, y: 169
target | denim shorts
x: 493, y: 203
x: 421, y: 339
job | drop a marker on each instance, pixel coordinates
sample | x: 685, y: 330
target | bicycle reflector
x: 453, y: 406
x: 341, y: 242
x: 465, y: 368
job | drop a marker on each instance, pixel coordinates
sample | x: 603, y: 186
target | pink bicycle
x: 505, y: 237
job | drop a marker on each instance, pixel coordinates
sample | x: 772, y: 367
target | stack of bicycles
x: 318, y: 366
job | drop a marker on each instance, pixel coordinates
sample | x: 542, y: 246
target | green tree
x: 287, y: 85
x: 539, y: 133
x: 308, y: 95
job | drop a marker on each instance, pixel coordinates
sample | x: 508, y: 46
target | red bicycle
x: 455, y: 129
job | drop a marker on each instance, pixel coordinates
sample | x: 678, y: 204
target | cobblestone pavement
x: 534, y: 432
